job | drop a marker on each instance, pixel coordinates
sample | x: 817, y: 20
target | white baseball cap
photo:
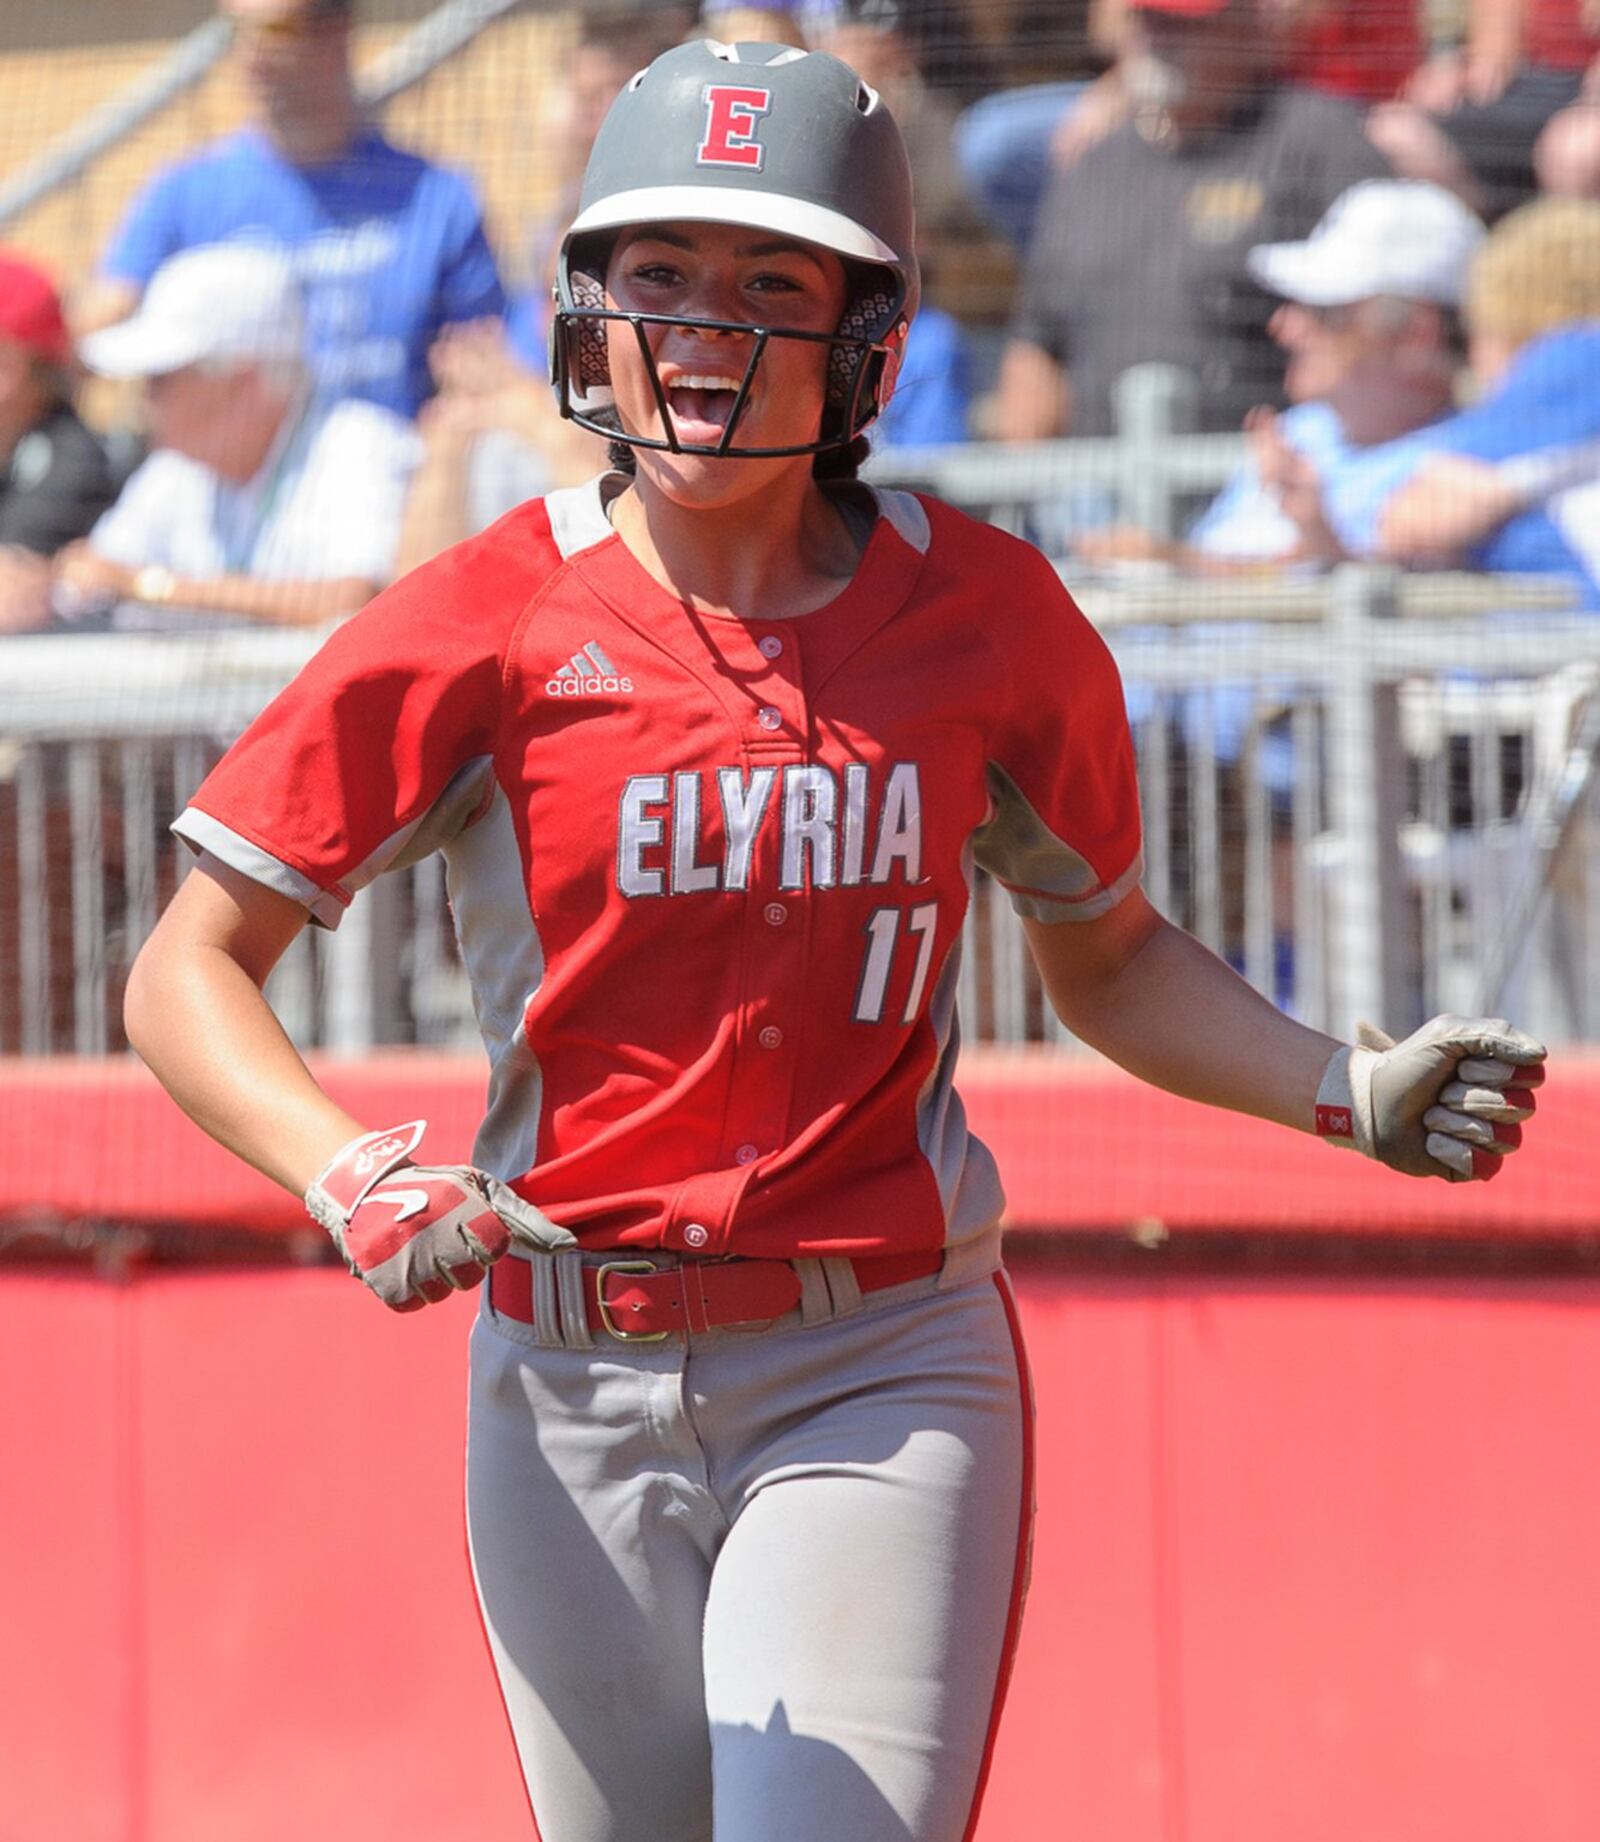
x: 219, y: 301
x: 1383, y: 236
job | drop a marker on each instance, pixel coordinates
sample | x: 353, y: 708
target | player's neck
x: 775, y: 554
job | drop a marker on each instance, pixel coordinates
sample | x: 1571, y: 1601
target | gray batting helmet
x: 758, y: 135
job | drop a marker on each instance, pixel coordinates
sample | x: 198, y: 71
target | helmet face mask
x: 764, y: 137
x: 860, y: 372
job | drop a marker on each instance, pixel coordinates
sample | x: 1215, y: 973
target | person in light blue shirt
x: 1513, y: 482
x: 1368, y: 323
x: 388, y: 248
x: 1508, y: 484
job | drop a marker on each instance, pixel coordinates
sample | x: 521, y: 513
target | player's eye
x: 654, y: 274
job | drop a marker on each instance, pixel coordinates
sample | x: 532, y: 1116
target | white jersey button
x: 771, y: 1037
x: 746, y: 1154
x: 775, y: 914
x: 769, y: 717
x: 770, y: 645
x: 694, y: 1235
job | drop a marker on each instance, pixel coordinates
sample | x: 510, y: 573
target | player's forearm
x: 199, y: 1021
x: 1176, y: 1016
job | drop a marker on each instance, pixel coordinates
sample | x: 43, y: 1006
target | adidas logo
x: 588, y: 674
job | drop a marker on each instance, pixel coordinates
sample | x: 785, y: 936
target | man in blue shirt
x: 388, y: 249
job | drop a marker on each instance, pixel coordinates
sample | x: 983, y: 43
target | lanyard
x: 239, y: 545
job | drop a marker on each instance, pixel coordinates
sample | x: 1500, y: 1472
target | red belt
x: 637, y: 1302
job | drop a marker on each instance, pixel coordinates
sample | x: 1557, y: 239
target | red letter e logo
x: 731, y: 117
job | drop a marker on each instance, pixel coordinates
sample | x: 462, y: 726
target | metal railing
x: 1151, y: 473
x: 1369, y: 792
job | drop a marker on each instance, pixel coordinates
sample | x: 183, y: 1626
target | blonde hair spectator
x: 1539, y: 269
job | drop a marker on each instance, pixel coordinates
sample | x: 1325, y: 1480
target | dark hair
x: 844, y: 463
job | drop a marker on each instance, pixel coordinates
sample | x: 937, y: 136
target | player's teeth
x: 705, y: 383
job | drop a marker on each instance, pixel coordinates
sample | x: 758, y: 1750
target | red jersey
x: 708, y: 873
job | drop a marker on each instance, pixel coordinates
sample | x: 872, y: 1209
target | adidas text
x: 588, y: 687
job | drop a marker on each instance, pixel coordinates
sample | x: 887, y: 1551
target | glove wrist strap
x: 1342, y: 1113
x: 352, y: 1171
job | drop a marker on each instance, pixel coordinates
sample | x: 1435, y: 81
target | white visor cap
x: 222, y: 301
x: 1384, y: 236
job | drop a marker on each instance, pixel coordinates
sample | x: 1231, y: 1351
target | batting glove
x: 1447, y: 1102
x: 415, y: 1233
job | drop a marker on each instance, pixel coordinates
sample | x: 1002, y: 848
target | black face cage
x: 864, y: 356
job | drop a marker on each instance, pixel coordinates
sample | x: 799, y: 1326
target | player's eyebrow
x: 771, y: 246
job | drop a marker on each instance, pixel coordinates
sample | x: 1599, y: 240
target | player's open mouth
x: 701, y: 403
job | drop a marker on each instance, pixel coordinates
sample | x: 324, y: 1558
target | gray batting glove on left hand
x: 1447, y: 1102
x: 415, y: 1233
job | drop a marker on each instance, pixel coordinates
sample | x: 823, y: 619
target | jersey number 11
x: 883, y: 935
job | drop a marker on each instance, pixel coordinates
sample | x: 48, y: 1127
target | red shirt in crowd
x: 1364, y: 51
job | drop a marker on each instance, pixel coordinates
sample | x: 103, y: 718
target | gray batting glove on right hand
x: 1447, y: 1102
x: 415, y: 1233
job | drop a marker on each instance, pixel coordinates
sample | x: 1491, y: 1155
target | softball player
x: 712, y: 747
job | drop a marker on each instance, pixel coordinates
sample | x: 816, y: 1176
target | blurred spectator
x: 1471, y: 116
x: 932, y: 398
x: 261, y: 501
x: 1216, y: 157
x: 1369, y: 322
x: 1365, y: 50
x: 54, y: 480
x: 613, y: 43
x: 388, y: 247
x: 490, y: 439
x: 870, y: 36
x: 1566, y: 156
x: 1513, y: 483
x: 737, y: 22
x: 954, y: 53
x: 491, y: 436
x: 1008, y: 143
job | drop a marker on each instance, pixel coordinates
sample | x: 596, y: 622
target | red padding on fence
x: 1081, y: 1146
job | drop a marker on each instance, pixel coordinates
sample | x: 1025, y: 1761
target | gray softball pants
x: 757, y: 1586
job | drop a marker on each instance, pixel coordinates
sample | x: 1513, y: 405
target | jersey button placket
x: 758, y: 1113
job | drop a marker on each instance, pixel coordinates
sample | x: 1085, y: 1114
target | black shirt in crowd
x: 1140, y: 250
x: 55, y: 485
